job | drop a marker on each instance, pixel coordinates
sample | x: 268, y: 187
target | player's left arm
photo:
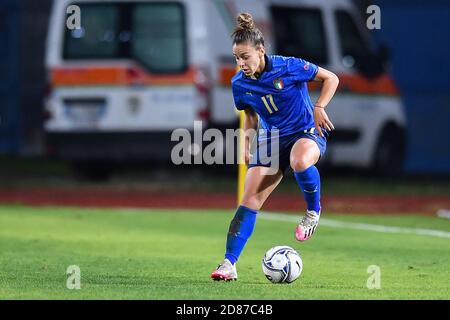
x: 330, y: 83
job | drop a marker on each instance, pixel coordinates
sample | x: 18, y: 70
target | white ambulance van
x: 138, y: 69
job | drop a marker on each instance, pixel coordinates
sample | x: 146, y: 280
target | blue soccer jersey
x: 279, y: 96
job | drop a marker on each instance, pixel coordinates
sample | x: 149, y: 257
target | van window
x: 158, y: 31
x: 97, y: 37
x: 353, y: 46
x: 300, y: 33
x: 151, y: 33
x: 355, y: 50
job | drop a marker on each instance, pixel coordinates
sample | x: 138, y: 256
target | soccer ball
x: 282, y: 264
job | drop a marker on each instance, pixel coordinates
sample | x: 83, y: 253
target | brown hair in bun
x: 246, y: 31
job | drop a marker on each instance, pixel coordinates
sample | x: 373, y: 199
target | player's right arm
x: 251, y: 119
x: 250, y: 126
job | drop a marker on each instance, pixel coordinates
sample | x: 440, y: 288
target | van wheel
x: 390, y: 151
x: 88, y: 171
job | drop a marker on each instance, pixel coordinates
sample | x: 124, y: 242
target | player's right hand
x: 247, y: 156
x: 321, y: 120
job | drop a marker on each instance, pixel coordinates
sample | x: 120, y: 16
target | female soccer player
x: 274, y: 88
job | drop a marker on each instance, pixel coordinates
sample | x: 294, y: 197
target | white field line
x: 358, y: 226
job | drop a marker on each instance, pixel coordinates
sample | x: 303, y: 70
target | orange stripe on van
x: 116, y: 76
x: 383, y: 85
x: 225, y: 75
x: 347, y: 83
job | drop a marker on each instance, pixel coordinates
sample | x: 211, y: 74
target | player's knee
x: 300, y: 164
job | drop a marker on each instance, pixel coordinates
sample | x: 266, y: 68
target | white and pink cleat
x: 307, y: 225
x: 225, y: 272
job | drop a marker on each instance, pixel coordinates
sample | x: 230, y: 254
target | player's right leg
x: 304, y: 155
x: 258, y: 186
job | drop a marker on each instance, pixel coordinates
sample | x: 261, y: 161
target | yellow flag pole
x: 242, y: 167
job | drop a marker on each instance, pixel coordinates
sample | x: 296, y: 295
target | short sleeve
x: 301, y: 70
x: 237, y: 96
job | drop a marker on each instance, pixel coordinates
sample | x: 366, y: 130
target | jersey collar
x: 268, y: 67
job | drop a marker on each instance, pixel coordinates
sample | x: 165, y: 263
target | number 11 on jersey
x: 272, y: 108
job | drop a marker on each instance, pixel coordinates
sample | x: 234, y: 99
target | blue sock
x: 240, y: 230
x: 309, y: 182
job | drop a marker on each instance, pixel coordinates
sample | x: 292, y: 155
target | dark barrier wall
x: 23, y: 28
x: 35, y: 16
x: 9, y: 76
x: 418, y: 35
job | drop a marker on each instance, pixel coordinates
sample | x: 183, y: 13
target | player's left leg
x: 304, y: 155
x: 258, y: 186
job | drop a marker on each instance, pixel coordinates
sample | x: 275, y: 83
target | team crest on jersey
x: 278, y: 83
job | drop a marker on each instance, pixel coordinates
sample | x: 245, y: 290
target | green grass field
x: 168, y: 254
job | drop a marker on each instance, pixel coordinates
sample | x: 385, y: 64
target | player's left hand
x: 321, y: 120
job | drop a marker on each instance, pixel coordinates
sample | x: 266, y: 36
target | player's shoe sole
x: 219, y: 276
